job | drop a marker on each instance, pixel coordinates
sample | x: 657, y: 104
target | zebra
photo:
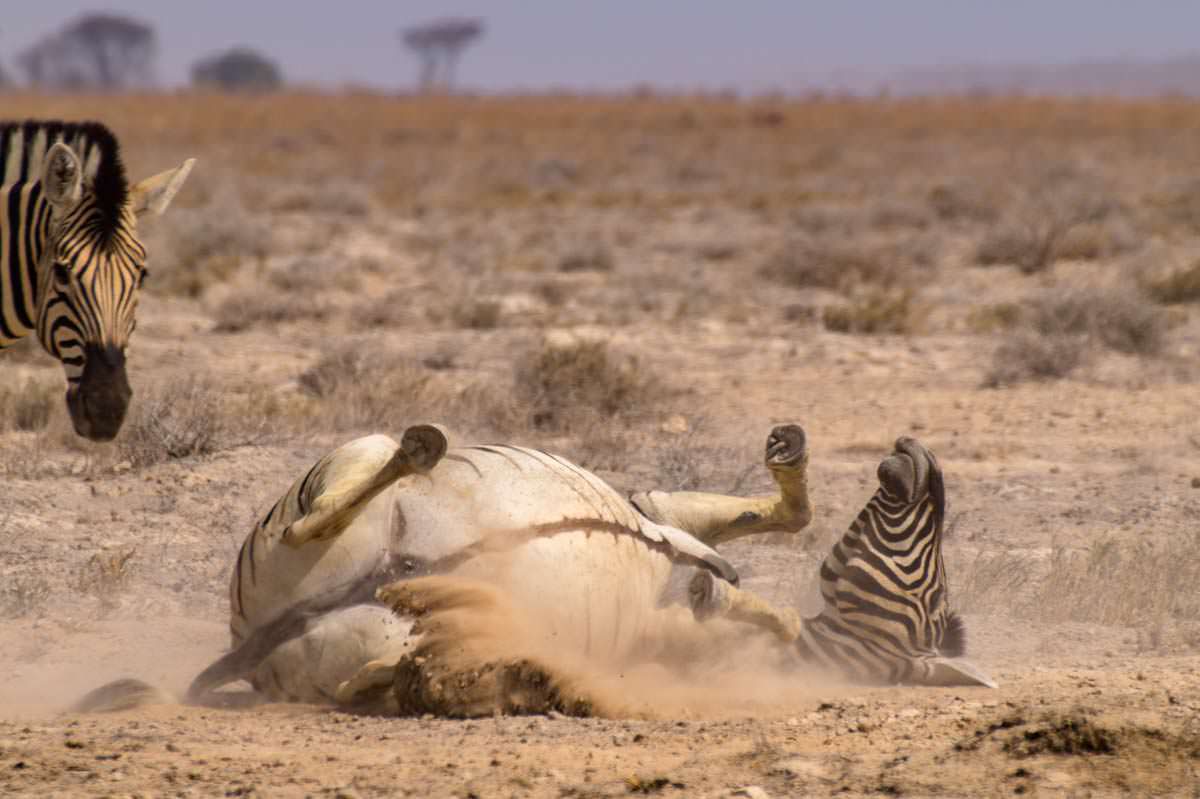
x: 306, y: 621
x: 886, y: 617
x: 71, y: 264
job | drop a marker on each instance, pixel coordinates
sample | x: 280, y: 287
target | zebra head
x: 91, y: 269
x: 911, y: 476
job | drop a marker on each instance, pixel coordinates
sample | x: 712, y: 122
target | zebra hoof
x: 424, y: 445
x: 709, y: 597
x: 787, y: 447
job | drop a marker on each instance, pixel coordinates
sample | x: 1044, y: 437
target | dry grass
x: 1113, y: 582
x: 105, y: 576
x: 174, y: 420
x: 27, y: 405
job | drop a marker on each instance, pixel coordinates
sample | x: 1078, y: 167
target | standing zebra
x: 886, y: 618
x: 71, y: 264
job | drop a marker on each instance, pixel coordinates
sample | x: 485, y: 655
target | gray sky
x: 613, y: 44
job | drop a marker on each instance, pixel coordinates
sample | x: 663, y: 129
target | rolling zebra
x: 71, y: 263
x: 886, y: 618
x: 309, y: 618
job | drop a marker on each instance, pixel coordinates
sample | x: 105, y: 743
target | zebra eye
x: 62, y: 273
x: 142, y: 277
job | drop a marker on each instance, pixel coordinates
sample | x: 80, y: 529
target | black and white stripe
x: 70, y: 271
x: 886, y: 616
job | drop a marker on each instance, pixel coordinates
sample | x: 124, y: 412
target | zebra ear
x: 155, y: 193
x: 62, y: 177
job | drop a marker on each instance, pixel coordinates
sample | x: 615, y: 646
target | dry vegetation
x: 646, y: 285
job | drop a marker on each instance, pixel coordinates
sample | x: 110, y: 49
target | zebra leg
x: 711, y: 597
x: 420, y: 450
x: 717, y: 518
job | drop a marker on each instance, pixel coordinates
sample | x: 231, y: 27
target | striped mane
x: 23, y: 145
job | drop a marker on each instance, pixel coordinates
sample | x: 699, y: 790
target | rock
x: 676, y: 424
x: 750, y: 792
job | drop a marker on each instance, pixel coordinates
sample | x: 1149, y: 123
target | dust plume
x: 484, y: 653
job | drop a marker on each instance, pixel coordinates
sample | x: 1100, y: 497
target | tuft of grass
x: 876, y: 312
x: 993, y: 318
x: 173, y: 420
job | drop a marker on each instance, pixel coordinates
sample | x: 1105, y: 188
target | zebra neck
x: 24, y: 230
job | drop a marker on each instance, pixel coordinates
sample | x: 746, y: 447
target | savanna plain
x: 645, y: 285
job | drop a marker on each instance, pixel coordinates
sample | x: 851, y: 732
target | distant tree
x: 96, y: 51
x: 438, y: 45
x: 238, y: 69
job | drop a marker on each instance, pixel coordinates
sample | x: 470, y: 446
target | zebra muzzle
x: 98, y: 403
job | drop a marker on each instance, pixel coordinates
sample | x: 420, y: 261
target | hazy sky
x: 609, y: 44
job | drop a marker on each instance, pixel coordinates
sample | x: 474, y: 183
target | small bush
x: 962, y: 201
x: 564, y: 384
x: 175, y: 420
x: 1025, y: 355
x: 593, y: 257
x: 833, y: 263
x: 877, y: 312
x: 335, y: 199
x: 1117, y: 319
x: 1180, y: 285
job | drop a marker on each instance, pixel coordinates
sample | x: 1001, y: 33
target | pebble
x: 750, y: 792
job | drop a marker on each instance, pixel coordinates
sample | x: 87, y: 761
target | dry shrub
x: 1064, y: 325
x: 245, y: 309
x: 892, y: 213
x: 23, y: 595
x: 1025, y: 355
x: 203, y: 246
x: 1116, y: 318
x: 1180, y: 285
x: 962, y: 201
x: 875, y: 312
x: 27, y: 405
x: 476, y: 313
x: 178, y: 419
x: 359, y: 387
x: 105, y: 575
x: 830, y: 262
x: 565, y: 385
x: 1033, y: 236
x: 589, y: 257
x: 995, y: 317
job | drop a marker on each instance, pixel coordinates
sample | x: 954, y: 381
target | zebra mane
x: 96, y: 146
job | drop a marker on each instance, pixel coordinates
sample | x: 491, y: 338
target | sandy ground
x: 1099, y: 679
